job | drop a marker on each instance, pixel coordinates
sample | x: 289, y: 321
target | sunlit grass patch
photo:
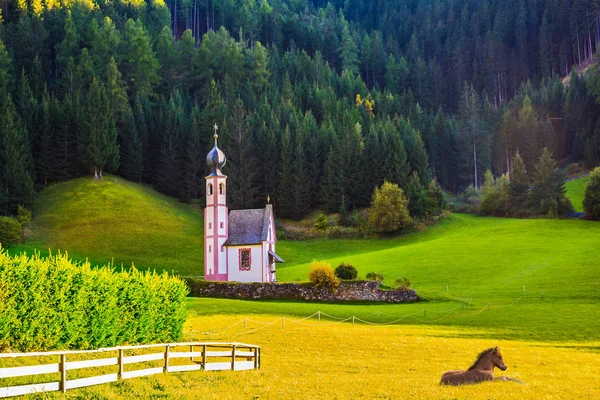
x: 343, y: 361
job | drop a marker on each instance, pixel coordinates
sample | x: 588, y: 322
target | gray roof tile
x: 248, y: 226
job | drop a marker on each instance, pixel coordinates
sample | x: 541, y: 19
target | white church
x: 238, y: 245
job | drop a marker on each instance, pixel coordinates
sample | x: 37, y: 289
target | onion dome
x: 215, y: 159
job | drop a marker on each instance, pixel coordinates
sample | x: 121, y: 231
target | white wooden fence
x: 207, y: 356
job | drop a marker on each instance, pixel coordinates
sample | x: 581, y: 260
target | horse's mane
x: 480, y: 356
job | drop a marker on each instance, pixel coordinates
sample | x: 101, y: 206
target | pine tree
x: 44, y: 160
x: 132, y: 152
x: 242, y: 161
x: 417, y: 198
x: 5, y: 69
x: 285, y: 192
x: 348, y: 51
x: 548, y: 196
x: 15, y: 157
x: 117, y: 93
x: 140, y: 66
x: 169, y: 177
x: 194, y: 160
x: 519, y: 186
x: 99, y: 132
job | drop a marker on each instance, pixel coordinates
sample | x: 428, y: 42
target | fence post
x: 120, y: 364
x: 166, y: 368
x: 204, y: 357
x: 319, y: 316
x: 233, y: 358
x: 191, y: 351
x: 63, y: 373
x: 353, y: 320
x: 255, y: 358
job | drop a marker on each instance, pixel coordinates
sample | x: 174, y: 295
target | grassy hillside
x: 576, y: 191
x: 114, y: 219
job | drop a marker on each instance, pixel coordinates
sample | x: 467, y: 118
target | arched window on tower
x: 220, y: 188
x: 210, y: 189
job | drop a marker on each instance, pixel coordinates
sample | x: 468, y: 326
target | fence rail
x: 206, y: 356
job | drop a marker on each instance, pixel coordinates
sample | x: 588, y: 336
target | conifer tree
x: 99, y: 133
x: 175, y: 125
x: 194, y: 160
x: 519, y: 186
x: 117, y: 93
x: 140, y: 66
x: 348, y: 50
x: 549, y: 193
x: 241, y: 161
x: 15, y: 157
x: 285, y: 193
x: 417, y: 198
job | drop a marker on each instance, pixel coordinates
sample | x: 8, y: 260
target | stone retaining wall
x: 347, y: 291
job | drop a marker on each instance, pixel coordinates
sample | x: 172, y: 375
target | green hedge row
x: 55, y: 303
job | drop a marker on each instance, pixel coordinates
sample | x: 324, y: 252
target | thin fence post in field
x: 255, y: 358
x: 204, y: 357
x: 121, y: 364
x: 192, y: 351
x: 233, y: 358
x: 63, y: 373
x: 319, y: 313
x: 353, y: 320
x: 166, y: 368
x: 259, y: 356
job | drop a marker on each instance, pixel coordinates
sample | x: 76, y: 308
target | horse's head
x: 497, y: 359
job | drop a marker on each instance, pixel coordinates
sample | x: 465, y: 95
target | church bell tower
x: 216, y: 227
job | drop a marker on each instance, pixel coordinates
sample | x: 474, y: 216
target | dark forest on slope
x: 317, y: 102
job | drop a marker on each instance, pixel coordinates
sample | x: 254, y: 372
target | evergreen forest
x: 317, y: 102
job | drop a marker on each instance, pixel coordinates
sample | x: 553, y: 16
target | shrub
x: 591, y: 200
x: 23, y: 215
x: 55, y: 303
x: 389, y: 209
x: 322, y: 276
x: 402, y: 283
x: 10, y: 231
x: 374, y: 276
x: 322, y: 223
x: 495, y: 195
x: 346, y: 271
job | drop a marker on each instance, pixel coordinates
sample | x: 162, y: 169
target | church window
x: 209, y: 249
x: 221, y: 225
x: 209, y: 225
x: 220, y: 188
x: 209, y: 189
x: 245, y: 260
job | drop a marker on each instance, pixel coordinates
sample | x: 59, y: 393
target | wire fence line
x: 322, y: 319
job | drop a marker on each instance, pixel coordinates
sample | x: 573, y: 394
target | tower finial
x: 216, y: 136
x: 268, y: 199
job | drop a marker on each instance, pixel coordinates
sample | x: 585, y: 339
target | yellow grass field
x: 312, y: 360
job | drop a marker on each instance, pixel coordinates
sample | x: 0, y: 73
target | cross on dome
x: 216, y: 136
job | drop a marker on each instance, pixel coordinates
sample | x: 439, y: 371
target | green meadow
x: 576, y: 191
x: 549, y: 269
x: 530, y: 286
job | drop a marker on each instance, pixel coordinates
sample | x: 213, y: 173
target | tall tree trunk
x: 475, y: 162
x: 207, y: 17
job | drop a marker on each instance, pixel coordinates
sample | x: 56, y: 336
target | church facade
x: 238, y: 245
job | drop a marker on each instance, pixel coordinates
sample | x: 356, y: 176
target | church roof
x: 249, y: 226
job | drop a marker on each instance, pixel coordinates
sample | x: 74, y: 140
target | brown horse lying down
x: 482, y: 370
